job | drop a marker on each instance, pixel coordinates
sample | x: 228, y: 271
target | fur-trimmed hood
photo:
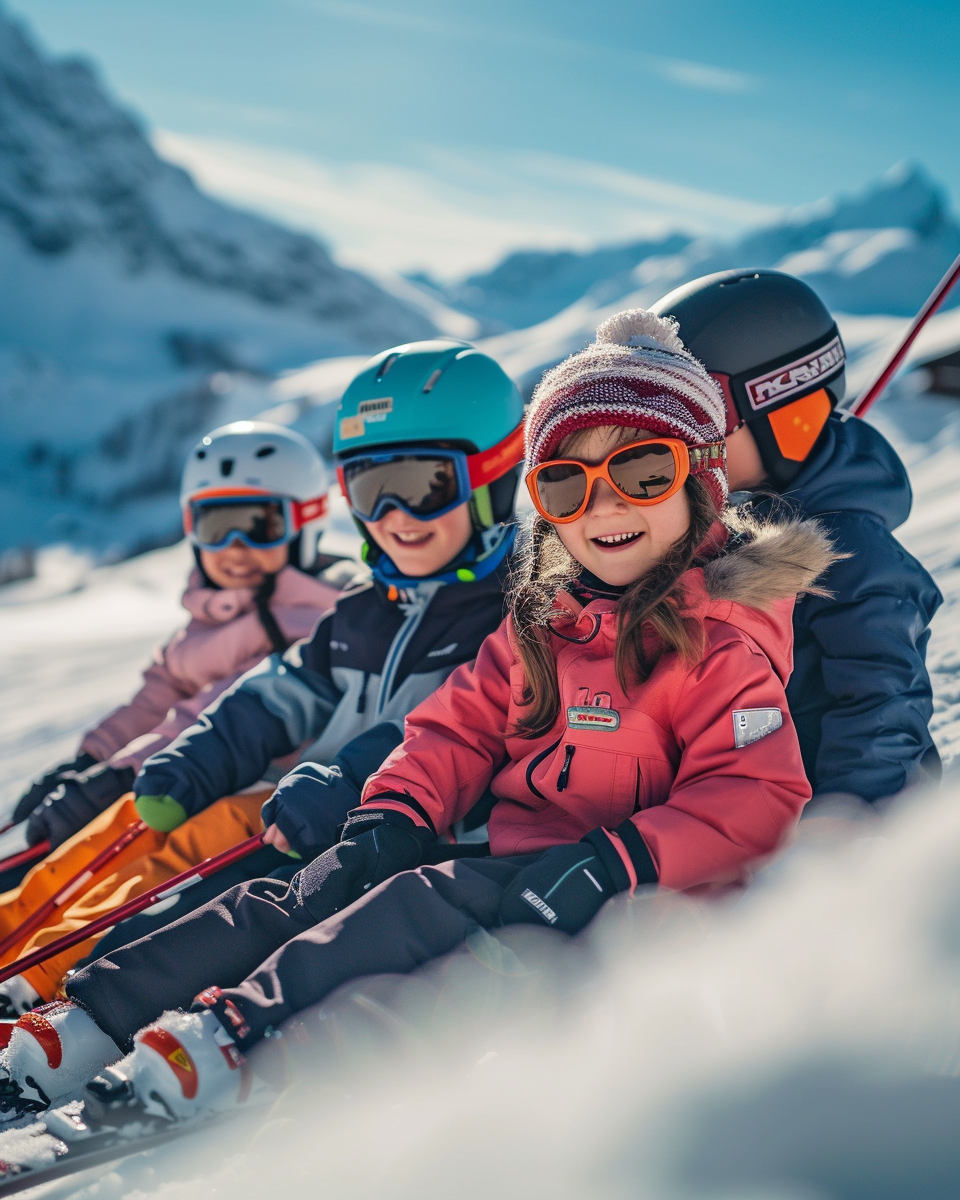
x: 765, y: 561
x: 759, y: 570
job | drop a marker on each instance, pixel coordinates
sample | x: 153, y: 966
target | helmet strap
x: 481, y: 508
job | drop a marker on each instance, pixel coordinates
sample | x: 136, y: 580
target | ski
x: 84, y: 1134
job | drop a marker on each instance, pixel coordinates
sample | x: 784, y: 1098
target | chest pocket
x: 602, y: 787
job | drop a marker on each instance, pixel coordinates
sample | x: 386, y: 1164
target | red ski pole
x: 162, y: 891
x: 936, y: 298
x: 71, y: 887
x: 31, y: 854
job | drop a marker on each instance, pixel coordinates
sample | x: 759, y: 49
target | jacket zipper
x: 564, y: 777
x: 534, y: 763
x: 395, y: 653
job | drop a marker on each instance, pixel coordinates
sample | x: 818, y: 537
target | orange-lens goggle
x: 647, y: 472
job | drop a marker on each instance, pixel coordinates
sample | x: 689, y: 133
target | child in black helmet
x: 860, y: 694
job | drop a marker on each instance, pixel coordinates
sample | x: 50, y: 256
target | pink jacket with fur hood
x: 702, y: 761
x: 223, y: 639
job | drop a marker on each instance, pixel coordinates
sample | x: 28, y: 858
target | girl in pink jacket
x: 629, y: 718
x: 253, y: 535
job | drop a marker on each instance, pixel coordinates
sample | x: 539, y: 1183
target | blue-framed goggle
x: 260, y: 522
x: 423, y: 481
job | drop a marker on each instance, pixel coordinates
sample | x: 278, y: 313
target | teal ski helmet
x: 445, y: 392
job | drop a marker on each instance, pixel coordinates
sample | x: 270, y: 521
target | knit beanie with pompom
x: 636, y: 373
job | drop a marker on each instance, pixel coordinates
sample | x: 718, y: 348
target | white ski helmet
x: 255, y: 458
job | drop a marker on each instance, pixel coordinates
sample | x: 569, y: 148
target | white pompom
x: 638, y: 328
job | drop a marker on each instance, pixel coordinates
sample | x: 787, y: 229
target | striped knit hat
x: 636, y: 373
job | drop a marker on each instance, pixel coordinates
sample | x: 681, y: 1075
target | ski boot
x: 50, y: 1054
x: 16, y: 998
x: 183, y: 1066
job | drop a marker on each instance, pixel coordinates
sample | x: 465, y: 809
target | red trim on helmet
x: 490, y: 464
x: 734, y: 420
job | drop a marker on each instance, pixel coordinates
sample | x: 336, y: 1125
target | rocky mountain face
x: 531, y: 285
x: 136, y: 311
x: 880, y: 251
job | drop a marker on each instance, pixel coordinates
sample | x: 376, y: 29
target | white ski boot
x: 184, y: 1065
x: 51, y: 1053
x: 16, y: 998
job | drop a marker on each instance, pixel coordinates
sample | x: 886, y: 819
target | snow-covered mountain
x: 880, y: 251
x: 529, y: 286
x: 135, y: 310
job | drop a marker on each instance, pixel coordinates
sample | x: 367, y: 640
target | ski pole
x: 934, y: 300
x: 130, y: 908
x: 46, y: 910
x: 31, y: 854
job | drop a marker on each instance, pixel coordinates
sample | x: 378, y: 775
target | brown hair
x: 543, y: 566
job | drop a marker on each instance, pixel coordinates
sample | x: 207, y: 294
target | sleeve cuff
x: 162, y: 813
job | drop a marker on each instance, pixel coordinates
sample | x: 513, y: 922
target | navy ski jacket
x: 372, y: 659
x: 860, y: 694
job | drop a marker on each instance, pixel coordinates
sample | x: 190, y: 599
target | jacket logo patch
x: 752, y: 724
x: 590, y: 716
x: 541, y: 906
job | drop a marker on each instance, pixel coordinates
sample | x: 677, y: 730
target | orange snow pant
x: 149, y: 860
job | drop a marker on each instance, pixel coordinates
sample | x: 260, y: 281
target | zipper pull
x: 564, y: 777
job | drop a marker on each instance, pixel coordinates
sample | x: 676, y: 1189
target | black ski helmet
x: 773, y: 347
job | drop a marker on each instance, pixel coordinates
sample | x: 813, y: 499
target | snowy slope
x: 135, y: 311
x: 800, y: 1043
x: 880, y: 251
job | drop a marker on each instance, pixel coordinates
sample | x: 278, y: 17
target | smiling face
x: 239, y: 565
x: 616, y: 540
x: 420, y: 548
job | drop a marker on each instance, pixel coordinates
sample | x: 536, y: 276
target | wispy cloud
x: 452, y: 213
x: 682, y: 72
x: 705, y: 78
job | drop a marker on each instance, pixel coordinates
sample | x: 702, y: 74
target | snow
x: 799, y: 1041
x: 879, y: 251
x: 137, y: 313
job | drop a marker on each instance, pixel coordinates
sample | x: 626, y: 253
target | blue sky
x: 439, y: 134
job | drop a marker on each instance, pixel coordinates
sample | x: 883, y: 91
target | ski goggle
x: 643, y: 473
x: 260, y: 522
x: 424, y: 481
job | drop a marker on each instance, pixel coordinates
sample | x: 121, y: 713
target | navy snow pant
x: 269, y: 947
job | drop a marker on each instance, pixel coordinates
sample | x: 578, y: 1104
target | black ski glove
x: 376, y: 845
x: 45, y: 785
x: 311, y: 804
x: 76, y: 801
x: 568, y: 885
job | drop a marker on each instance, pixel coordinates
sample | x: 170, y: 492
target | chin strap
x: 476, y: 562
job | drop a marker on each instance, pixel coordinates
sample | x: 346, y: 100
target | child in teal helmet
x: 428, y: 440
x: 391, y: 460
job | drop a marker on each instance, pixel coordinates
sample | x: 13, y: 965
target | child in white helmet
x: 254, y: 499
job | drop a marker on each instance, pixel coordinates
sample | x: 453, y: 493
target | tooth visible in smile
x: 613, y: 539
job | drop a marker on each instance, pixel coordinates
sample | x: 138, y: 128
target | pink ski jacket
x: 703, y: 760
x: 223, y: 639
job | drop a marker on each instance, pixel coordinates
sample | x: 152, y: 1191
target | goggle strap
x: 705, y: 458
x: 305, y: 511
x: 490, y: 464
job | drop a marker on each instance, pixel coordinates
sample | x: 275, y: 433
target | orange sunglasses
x: 646, y: 472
